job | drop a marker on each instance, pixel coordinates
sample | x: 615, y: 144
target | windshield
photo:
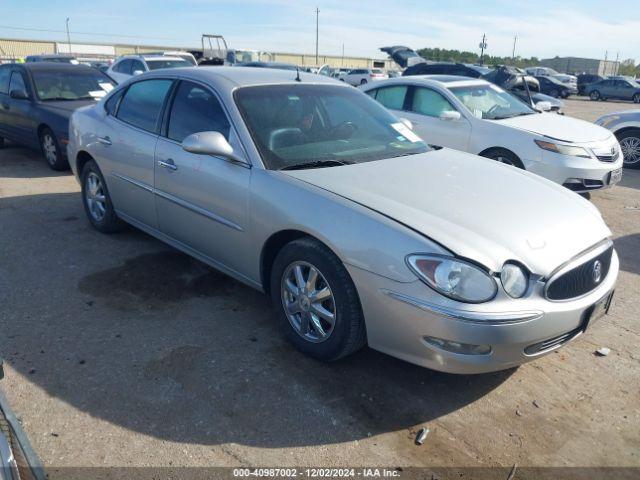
x: 297, y: 125
x: 71, y: 84
x: 490, y: 102
x: 158, y: 64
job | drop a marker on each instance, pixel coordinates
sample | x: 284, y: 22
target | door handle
x: 104, y: 140
x: 168, y: 165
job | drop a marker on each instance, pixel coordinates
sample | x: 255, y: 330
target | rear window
x: 377, y: 70
x: 158, y: 64
x: 4, y: 79
x: 142, y: 103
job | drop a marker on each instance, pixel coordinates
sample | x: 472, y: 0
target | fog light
x: 458, y: 347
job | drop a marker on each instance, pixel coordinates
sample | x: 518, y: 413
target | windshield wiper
x: 316, y: 164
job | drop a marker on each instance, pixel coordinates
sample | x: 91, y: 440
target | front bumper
x: 400, y: 315
x: 577, y: 173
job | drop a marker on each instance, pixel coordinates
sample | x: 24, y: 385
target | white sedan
x: 479, y: 117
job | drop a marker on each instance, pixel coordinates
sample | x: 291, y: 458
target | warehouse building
x: 13, y: 49
x: 577, y: 65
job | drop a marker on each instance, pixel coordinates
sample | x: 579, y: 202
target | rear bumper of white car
x: 577, y: 173
x: 403, y: 319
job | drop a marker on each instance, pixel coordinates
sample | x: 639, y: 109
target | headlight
x: 514, y: 280
x: 563, y: 149
x: 453, y: 278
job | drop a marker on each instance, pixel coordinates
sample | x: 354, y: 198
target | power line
x: 84, y: 33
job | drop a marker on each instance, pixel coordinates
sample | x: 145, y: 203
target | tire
x: 363, y: 81
x: 503, y: 155
x: 554, y: 93
x: 636, y: 98
x: 51, y: 150
x: 103, y: 219
x: 595, y: 95
x: 565, y: 94
x: 347, y: 334
x: 630, y: 144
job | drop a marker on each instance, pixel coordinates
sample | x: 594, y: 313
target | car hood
x: 65, y: 107
x: 475, y: 207
x: 558, y: 127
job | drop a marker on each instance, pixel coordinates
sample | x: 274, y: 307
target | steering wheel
x: 344, y: 130
x: 493, y: 110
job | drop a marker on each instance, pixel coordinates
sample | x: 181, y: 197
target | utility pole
x: 606, y: 54
x: 616, y: 65
x: 317, y: 14
x: 342, y: 55
x: 513, y: 52
x: 483, y: 45
x: 68, y: 36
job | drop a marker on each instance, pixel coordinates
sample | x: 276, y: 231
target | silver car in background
x: 626, y: 128
x: 307, y: 189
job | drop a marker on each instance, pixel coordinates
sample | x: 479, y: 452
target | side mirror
x: 543, y: 106
x: 406, y: 122
x: 450, y: 116
x: 137, y: 72
x: 19, y: 94
x: 210, y: 143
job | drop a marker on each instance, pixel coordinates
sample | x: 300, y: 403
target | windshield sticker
x: 107, y: 87
x: 477, y: 113
x: 403, y: 130
x: 97, y: 93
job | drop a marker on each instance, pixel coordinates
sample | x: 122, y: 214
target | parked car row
x: 442, y: 258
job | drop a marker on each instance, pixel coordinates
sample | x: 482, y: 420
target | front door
x: 18, y: 112
x: 201, y: 200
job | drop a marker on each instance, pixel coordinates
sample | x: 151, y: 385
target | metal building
x: 577, y: 65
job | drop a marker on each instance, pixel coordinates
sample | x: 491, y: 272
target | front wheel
x: 96, y: 200
x: 503, y: 156
x: 630, y: 146
x: 316, y: 301
x: 595, y: 95
x: 52, y: 151
x: 363, y: 81
x: 636, y: 98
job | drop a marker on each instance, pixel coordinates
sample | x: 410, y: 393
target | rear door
x: 125, y: 147
x: 201, y: 200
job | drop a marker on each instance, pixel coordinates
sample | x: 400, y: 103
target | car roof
x: 150, y: 57
x: 53, y: 66
x: 443, y: 81
x: 240, y: 77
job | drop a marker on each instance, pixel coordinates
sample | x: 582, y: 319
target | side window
x: 123, y: 67
x: 194, y: 110
x: 142, y: 103
x: 16, y: 82
x: 4, y: 79
x: 111, y: 105
x: 429, y: 102
x: 392, y: 97
x: 372, y: 93
x: 137, y: 65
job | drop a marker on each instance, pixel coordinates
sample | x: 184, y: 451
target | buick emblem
x: 596, y: 271
x: 613, y: 151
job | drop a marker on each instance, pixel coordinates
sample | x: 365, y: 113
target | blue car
x: 37, y: 99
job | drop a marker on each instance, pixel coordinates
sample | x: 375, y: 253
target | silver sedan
x: 626, y: 127
x: 310, y: 191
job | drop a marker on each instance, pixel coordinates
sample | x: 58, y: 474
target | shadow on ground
x: 17, y: 161
x: 628, y: 248
x: 127, y: 330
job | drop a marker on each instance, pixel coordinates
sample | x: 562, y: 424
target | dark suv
x: 585, y: 79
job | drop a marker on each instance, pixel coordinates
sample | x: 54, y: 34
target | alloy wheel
x: 630, y: 147
x: 505, y: 160
x: 95, y: 197
x: 308, y: 302
x: 49, y: 149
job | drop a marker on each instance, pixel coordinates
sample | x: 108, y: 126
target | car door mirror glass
x: 543, y: 106
x: 450, y: 116
x: 19, y: 94
x: 138, y: 72
x: 210, y: 143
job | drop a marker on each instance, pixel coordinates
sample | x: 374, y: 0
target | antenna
x: 297, y: 74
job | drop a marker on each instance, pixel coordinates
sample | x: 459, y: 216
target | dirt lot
x: 122, y: 352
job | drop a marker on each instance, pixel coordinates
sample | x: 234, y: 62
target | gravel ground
x: 123, y: 352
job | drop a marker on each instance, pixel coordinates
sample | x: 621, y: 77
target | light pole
x: 513, y: 52
x: 483, y: 45
x: 68, y: 36
x: 317, y: 14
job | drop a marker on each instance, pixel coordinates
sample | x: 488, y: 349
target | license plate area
x: 615, y: 176
x: 597, y: 310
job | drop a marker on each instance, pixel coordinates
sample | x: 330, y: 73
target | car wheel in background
x: 636, y: 98
x: 554, y: 93
x: 52, y: 151
x: 316, y: 301
x: 503, y: 155
x: 630, y: 145
x: 96, y: 200
x: 565, y: 93
x: 363, y: 81
x: 595, y: 95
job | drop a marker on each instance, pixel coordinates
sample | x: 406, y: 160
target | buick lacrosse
x: 309, y: 190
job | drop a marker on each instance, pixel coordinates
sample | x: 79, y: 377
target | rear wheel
x: 630, y: 145
x: 503, y: 155
x: 316, y: 301
x: 595, y: 95
x: 554, y: 93
x: 96, y: 200
x: 363, y: 81
x: 636, y: 98
x: 52, y: 151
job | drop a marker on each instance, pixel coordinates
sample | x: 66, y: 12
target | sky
x: 585, y: 28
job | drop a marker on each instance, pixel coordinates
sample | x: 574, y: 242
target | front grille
x: 610, y: 154
x: 552, y: 343
x: 581, y: 279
